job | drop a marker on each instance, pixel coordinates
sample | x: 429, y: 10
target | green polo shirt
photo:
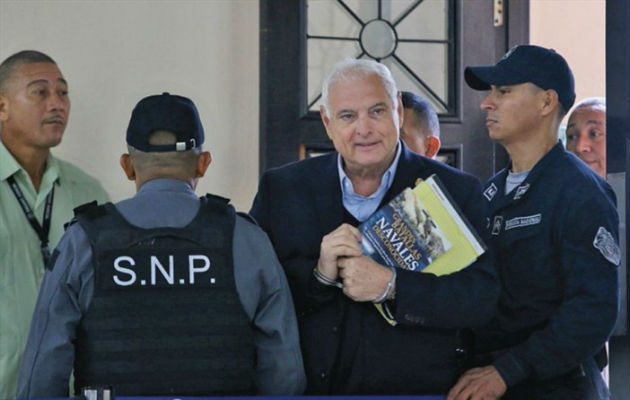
x: 21, y: 265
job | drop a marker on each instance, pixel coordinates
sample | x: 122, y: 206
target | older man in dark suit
x: 310, y: 210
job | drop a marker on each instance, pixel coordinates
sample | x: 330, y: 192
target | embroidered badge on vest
x: 496, y: 225
x: 521, y: 191
x: 490, y: 192
x: 520, y: 222
x: 605, y: 243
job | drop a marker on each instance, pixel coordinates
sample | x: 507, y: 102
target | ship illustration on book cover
x: 423, y: 230
x: 403, y: 234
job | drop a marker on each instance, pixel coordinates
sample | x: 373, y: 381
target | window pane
x: 329, y: 18
x: 429, y: 63
x: 427, y: 21
x: 410, y: 36
x: 366, y: 10
x: 322, y: 54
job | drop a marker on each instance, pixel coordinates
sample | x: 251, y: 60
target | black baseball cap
x: 527, y: 63
x: 168, y: 112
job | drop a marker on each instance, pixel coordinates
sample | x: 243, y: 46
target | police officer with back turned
x: 164, y: 293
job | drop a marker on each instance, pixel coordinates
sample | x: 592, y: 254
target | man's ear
x: 550, y: 102
x: 127, y: 165
x: 432, y: 146
x: 4, y: 108
x: 203, y: 162
x: 325, y: 120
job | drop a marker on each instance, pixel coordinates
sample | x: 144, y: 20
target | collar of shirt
x: 10, y: 167
x: 166, y: 185
x: 543, y: 165
x: 8, y: 164
x: 514, y: 179
x: 361, y: 207
x: 161, y: 202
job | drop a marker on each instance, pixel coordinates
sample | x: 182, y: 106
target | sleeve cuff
x: 318, y: 292
x: 511, y: 369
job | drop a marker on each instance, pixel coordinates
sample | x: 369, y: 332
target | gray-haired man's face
x: 586, y: 137
x: 363, y: 124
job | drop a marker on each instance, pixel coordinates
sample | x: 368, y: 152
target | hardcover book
x: 421, y: 230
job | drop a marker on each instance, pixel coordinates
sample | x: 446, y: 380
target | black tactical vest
x: 165, y: 318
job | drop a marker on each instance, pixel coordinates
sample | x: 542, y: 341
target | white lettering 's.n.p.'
x: 128, y: 271
x: 192, y: 270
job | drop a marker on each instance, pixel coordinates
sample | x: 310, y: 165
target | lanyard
x: 42, y: 232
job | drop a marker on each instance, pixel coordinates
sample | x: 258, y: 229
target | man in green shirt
x: 37, y: 193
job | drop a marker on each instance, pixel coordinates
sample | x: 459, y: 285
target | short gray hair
x: 358, y: 68
x: 156, y: 163
x: 598, y: 103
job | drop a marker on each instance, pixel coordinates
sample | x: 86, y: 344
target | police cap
x: 527, y: 63
x: 176, y: 114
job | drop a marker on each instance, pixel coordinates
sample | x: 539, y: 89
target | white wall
x: 577, y: 30
x: 113, y: 53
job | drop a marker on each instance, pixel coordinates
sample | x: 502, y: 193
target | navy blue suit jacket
x: 297, y: 205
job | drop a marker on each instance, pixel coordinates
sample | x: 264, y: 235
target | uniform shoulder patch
x: 605, y: 243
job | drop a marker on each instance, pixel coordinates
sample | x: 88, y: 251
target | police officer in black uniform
x: 554, y: 228
x: 164, y: 293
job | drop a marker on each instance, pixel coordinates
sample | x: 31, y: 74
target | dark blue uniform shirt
x: 555, y: 238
